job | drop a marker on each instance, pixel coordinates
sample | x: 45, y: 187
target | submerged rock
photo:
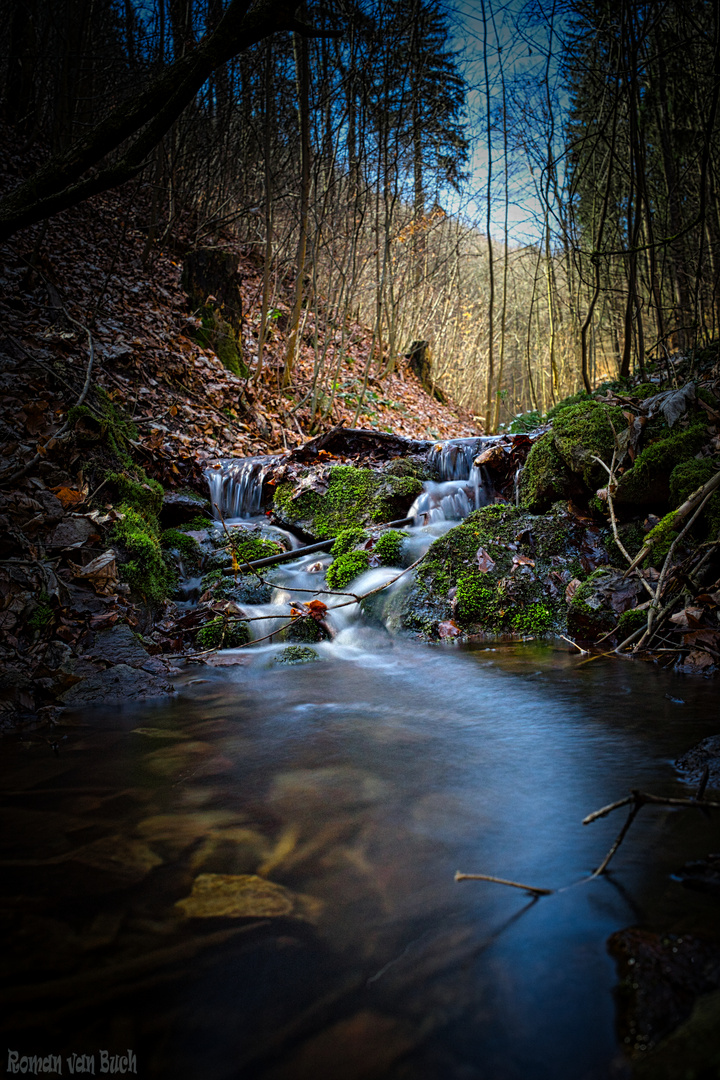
x: 243, y: 896
x: 118, y: 683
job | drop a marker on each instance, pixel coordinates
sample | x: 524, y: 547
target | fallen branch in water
x: 635, y: 800
x: 502, y: 881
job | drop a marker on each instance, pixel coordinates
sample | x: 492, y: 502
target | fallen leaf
x: 448, y: 629
x: 485, y: 561
x: 572, y: 588
x: 522, y: 560
x: 101, y: 572
x: 698, y: 660
x: 68, y: 496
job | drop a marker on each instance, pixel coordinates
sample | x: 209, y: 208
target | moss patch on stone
x: 388, y: 547
x: 649, y: 479
x: 296, y: 654
x: 355, y: 498
x: 221, y: 634
x: 583, y: 432
x: 517, y: 593
x: 144, y: 569
x: 687, y: 477
x: 545, y: 477
x: 346, y: 568
x: 187, y: 546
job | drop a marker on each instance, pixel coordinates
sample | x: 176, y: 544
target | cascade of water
x: 463, y: 486
x: 236, y: 486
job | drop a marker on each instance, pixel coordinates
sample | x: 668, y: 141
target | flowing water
x: 360, y: 783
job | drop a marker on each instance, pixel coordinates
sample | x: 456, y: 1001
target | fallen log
x: 297, y: 553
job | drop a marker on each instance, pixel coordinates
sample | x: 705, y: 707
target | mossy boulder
x: 347, y: 498
x: 584, y: 432
x: 502, y: 570
x: 647, y: 483
x: 545, y: 477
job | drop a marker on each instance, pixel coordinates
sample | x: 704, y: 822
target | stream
x: 360, y: 783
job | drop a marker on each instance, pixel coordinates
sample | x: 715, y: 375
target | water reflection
x: 330, y: 806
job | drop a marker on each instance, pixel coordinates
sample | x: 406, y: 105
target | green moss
x: 218, y: 335
x: 43, y: 615
x: 629, y: 622
x: 246, y: 550
x: 189, y: 549
x: 354, y: 498
x: 584, y: 431
x: 296, y: 654
x: 143, y: 494
x: 687, y: 477
x: 221, y: 634
x: 199, y: 523
x: 477, y: 601
x: 308, y: 631
x: 388, y: 547
x: 648, y: 480
x: 346, y: 541
x: 346, y: 568
x: 533, y: 619
x: 662, y: 536
x: 145, y: 570
x: 545, y: 477
x: 632, y: 537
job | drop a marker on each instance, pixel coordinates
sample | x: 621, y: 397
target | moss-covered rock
x: 186, y: 546
x: 647, y: 483
x: 388, y: 547
x: 545, y: 477
x: 502, y: 570
x: 346, y: 568
x: 353, y: 499
x: 296, y: 654
x: 584, y: 432
x: 222, y: 633
x: 688, y: 476
x: 142, y: 562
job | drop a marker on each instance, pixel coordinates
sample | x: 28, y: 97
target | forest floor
x: 102, y: 374
x: 83, y: 274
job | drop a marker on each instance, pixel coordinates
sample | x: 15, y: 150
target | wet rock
x: 692, y: 764
x: 243, y: 896
x: 179, y: 507
x: 119, y: 646
x: 296, y: 654
x: 119, y: 683
x: 661, y: 975
x: 500, y: 571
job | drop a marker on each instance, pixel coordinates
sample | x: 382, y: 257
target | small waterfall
x: 463, y: 486
x: 236, y: 486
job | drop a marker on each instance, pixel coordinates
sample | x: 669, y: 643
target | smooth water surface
x: 361, y: 783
